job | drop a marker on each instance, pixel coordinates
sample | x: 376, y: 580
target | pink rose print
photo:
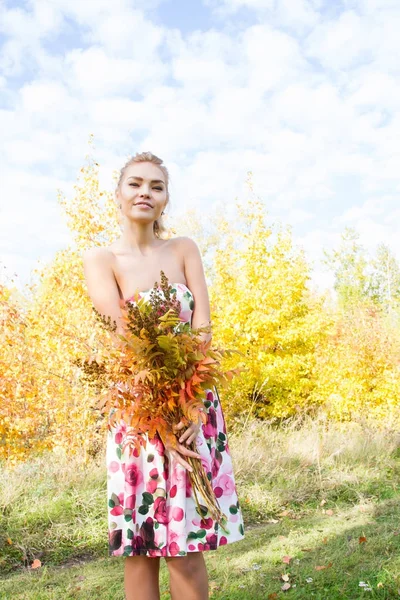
x: 218, y: 491
x: 196, y: 522
x: 159, y: 446
x: 160, y: 510
x: 117, y: 510
x: 206, y: 523
x: 113, y: 467
x: 210, y: 428
x: 158, y: 552
x: 151, y: 486
x: 120, y: 433
x: 201, y: 547
x: 175, y: 513
x: 225, y: 482
x: 173, y: 549
x: 130, y: 501
x: 215, y: 464
x: 179, y: 476
x: 173, y: 536
x: 133, y: 475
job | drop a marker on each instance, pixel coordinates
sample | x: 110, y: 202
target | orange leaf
x: 36, y: 564
x: 287, y: 559
x: 362, y: 540
x: 208, y: 360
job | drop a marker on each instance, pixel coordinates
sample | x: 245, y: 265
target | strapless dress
x: 151, y: 505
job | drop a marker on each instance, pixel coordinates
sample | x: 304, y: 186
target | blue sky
x: 304, y: 93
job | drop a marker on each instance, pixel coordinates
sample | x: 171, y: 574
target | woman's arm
x: 101, y: 284
x: 196, y: 281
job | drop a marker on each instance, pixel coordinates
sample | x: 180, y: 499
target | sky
x: 303, y: 93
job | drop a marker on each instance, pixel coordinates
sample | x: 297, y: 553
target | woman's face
x: 142, y: 192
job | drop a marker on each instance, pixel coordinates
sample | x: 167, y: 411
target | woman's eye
x: 133, y: 184
x: 158, y: 188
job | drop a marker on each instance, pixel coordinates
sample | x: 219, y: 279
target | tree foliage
x: 298, y: 352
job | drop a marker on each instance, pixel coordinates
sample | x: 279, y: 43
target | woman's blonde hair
x: 158, y: 226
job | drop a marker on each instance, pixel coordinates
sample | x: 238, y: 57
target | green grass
x: 309, y: 491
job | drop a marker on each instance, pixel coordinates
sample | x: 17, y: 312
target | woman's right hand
x: 182, y: 450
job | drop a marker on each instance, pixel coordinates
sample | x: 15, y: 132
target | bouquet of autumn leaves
x: 157, y: 374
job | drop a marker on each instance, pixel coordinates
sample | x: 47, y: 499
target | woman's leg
x: 141, y: 578
x: 188, y: 577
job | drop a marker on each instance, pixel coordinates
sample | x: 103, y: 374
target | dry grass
x: 308, y: 460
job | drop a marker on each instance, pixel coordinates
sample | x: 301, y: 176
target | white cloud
x: 128, y: 35
x: 94, y: 74
x: 295, y: 14
x: 234, y: 5
x: 273, y: 58
x: 342, y: 43
x: 308, y: 102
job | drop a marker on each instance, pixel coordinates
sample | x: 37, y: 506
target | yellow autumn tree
x: 262, y: 307
x: 54, y: 334
x: 357, y: 369
x: 21, y: 432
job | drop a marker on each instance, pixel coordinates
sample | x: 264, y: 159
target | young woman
x: 168, y: 525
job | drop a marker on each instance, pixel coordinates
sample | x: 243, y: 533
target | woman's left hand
x: 191, y: 432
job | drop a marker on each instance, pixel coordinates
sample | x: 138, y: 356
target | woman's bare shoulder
x: 98, y: 255
x: 185, y: 242
x: 184, y: 246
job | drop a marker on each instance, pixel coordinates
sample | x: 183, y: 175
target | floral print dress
x: 151, y: 505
